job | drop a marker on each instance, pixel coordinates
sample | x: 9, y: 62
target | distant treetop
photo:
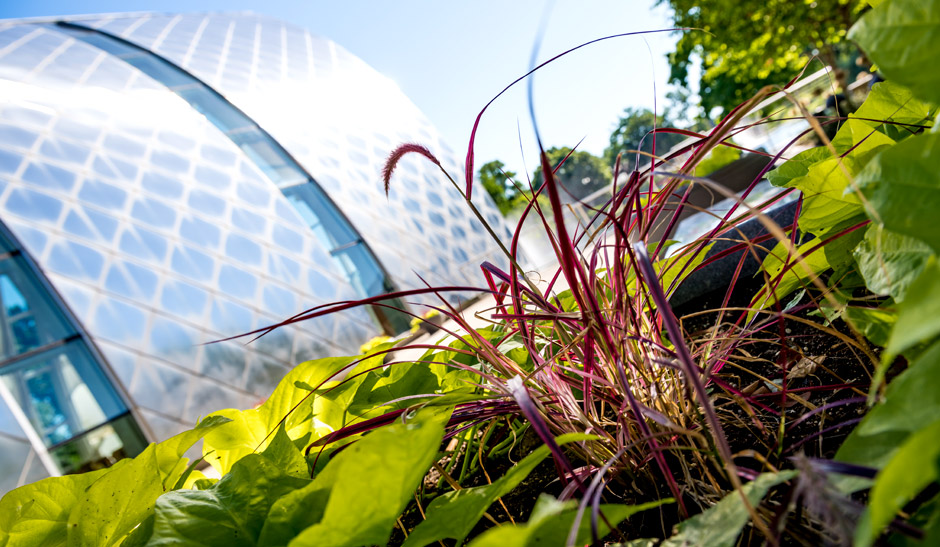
x: 744, y: 45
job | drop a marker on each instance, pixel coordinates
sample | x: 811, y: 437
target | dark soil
x: 815, y: 366
x: 822, y: 369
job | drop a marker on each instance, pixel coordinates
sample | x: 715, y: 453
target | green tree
x: 744, y: 45
x: 633, y: 133
x: 498, y: 184
x: 581, y: 175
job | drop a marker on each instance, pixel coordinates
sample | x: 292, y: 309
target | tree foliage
x: 497, y: 182
x: 742, y: 45
x: 634, y: 133
x: 581, y: 174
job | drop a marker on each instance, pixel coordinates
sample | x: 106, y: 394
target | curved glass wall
x: 58, y: 405
x: 332, y: 229
x: 164, y: 218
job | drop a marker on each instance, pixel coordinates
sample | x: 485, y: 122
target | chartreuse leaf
x: 719, y: 157
x: 396, y: 381
x: 918, y: 319
x: 251, y: 430
x: 140, y: 535
x: 551, y: 521
x: 38, y: 513
x: 286, y: 456
x: 516, y: 350
x: 816, y: 260
x: 369, y: 390
x: 902, y: 184
x: 124, y: 495
x: 797, y: 166
x: 919, y: 315
x: 911, y: 402
x: 453, y: 515
x: 859, y: 140
x: 364, y: 488
x: 902, y: 38
x: 890, y: 262
x: 794, y: 278
x: 910, y: 470
x: 829, y: 198
x: 874, y: 323
x: 888, y: 101
x: 721, y: 524
x: 232, y: 512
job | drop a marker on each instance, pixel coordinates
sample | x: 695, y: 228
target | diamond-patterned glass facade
x: 163, y: 227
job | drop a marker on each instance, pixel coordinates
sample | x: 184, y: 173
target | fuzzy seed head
x: 400, y: 152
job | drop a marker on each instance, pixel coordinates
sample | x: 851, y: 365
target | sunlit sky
x: 451, y: 58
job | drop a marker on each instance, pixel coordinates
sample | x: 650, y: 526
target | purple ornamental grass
x: 608, y: 355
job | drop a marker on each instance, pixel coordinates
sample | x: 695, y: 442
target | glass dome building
x: 171, y: 180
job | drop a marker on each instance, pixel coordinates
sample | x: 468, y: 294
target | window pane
x: 159, y: 70
x: 391, y: 319
x: 27, y: 319
x: 220, y: 113
x: 356, y: 261
x: 62, y: 392
x: 269, y: 157
x: 362, y: 270
x: 99, y: 448
x: 5, y: 245
x: 14, y: 453
x: 331, y: 229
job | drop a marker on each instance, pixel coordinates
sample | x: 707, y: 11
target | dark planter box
x: 717, y: 275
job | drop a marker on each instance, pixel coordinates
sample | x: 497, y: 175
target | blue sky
x: 450, y: 58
